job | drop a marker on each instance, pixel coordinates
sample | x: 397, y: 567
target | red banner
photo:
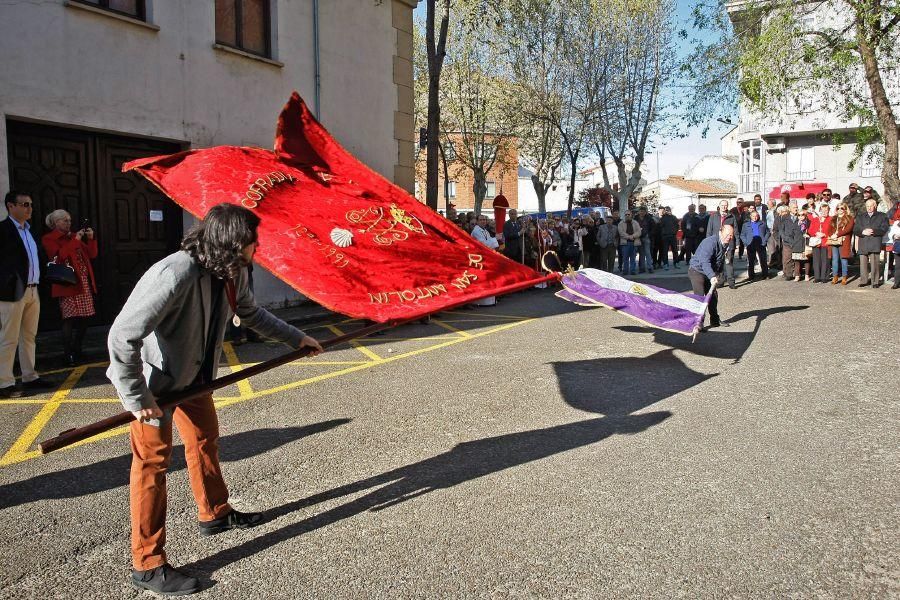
x: 335, y: 230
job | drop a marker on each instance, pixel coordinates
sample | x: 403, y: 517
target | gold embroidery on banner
x: 334, y: 255
x: 639, y: 290
x: 384, y: 228
x: 259, y: 188
x: 430, y: 291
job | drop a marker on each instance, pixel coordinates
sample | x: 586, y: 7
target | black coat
x: 790, y: 233
x: 648, y: 226
x: 878, y: 223
x: 14, y: 261
x: 690, y: 225
x: 512, y: 238
x: 668, y: 225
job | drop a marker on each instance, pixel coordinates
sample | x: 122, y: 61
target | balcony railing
x: 750, y: 182
x: 800, y: 175
x: 870, y: 172
x: 748, y: 126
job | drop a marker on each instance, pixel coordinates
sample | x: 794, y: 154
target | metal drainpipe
x: 318, y: 72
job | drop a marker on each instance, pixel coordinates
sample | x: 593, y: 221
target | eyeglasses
x: 25, y: 204
x: 840, y: 210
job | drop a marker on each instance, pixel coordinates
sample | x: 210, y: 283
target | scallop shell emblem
x: 341, y: 237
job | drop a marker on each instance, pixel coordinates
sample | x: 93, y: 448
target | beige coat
x: 634, y: 237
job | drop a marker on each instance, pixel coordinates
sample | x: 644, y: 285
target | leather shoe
x: 863, y: 285
x: 37, y: 384
x: 10, y: 392
x: 233, y: 520
x: 166, y: 581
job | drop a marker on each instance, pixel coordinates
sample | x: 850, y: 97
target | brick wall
x: 504, y: 174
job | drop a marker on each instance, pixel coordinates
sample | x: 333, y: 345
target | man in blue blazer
x: 21, y: 263
x: 755, y: 235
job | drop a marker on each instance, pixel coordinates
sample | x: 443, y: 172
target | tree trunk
x: 541, y: 190
x: 887, y: 124
x: 436, y: 52
x: 479, y: 188
x: 572, y: 187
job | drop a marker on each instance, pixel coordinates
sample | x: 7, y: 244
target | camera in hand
x: 85, y: 224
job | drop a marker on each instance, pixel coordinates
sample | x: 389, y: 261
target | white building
x: 678, y: 193
x: 715, y: 168
x: 797, y: 145
x: 86, y: 85
x: 557, y: 198
x: 594, y: 175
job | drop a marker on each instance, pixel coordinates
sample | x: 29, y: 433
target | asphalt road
x: 534, y: 449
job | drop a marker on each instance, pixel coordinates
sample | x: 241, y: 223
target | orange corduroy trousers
x: 151, y: 448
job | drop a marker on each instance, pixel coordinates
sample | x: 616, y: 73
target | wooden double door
x: 81, y: 172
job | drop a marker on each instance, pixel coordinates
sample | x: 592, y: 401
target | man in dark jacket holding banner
x: 169, y: 337
x: 705, y: 268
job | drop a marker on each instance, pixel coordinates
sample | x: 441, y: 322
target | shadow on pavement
x: 471, y: 460
x: 716, y: 343
x: 112, y: 473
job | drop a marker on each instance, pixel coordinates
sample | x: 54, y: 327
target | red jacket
x: 819, y: 224
x: 65, y: 247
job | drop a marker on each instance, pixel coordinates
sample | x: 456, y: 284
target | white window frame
x: 800, y: 164
x: 451, y: 189
x: 491, y: 191
x: 751, y: 166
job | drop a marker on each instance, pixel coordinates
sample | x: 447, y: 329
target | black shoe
x: 731, y: 285
x: 10, y: 392
x: 714, y: 323
x: 165, y: 580
x: 862, y: 285
x: 37, y: 384
x: 233, y: 520
x: 876, y: 285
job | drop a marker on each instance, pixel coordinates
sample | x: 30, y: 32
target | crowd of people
x: 815, y: 238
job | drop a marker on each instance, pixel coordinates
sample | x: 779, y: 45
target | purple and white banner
x: 654, y: 306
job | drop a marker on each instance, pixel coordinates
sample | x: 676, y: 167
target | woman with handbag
x: 76, y: 302
x: 819, y: 230
x: 804, y: 258
x: 839, y: 242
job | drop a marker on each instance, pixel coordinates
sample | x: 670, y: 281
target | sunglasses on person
x: 25, y: 204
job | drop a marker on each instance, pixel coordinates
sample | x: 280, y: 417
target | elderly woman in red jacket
x: 819, y: 231
x: 76, y: 303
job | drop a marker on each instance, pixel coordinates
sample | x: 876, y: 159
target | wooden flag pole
x: 73, y: 436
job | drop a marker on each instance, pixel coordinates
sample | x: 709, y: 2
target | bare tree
x: 435, y: 51
x: 640, y: 64
x: 533, y: 37
x: 481, y: 114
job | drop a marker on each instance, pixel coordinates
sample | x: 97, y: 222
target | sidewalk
x: 50, y: 351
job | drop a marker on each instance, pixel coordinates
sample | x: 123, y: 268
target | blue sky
x: 676, y: 155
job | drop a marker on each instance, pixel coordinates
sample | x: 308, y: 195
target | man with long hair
x: 167, y: 338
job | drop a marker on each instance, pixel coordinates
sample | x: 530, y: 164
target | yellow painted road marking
x: 486, y: 316
x: 19, y: 450
x: 449, y: 327
x: 235, y: 364
x: 355, y: 343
